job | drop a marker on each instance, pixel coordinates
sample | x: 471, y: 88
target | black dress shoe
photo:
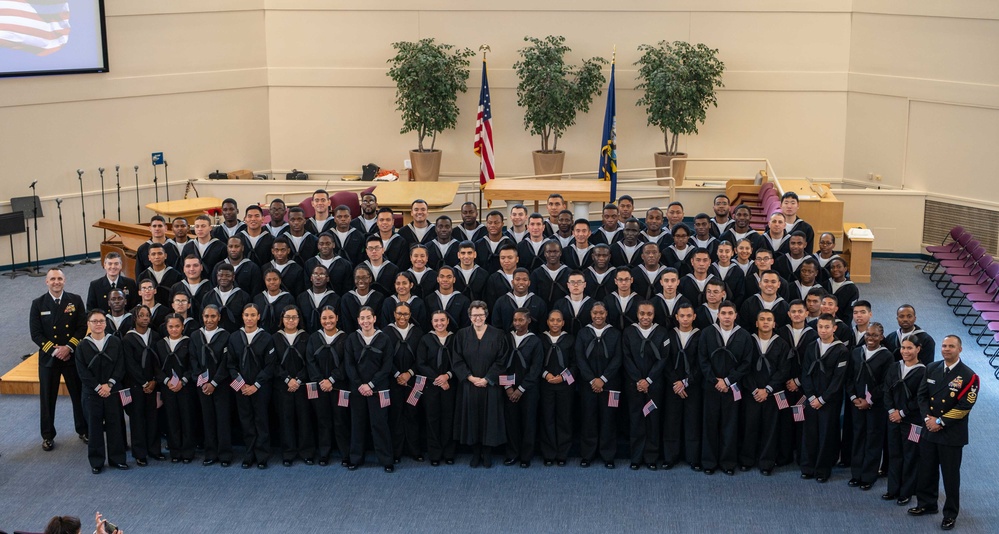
x: 141, y: 462
x: 882, y: 473
x: 652, y: 466
x: 247, y: 464
x: 609, y: 465
x: 668, y: 465
x: 948, y: 523
x: 208, y: 461
x: 174, y: 460
x: 122, y: 467
x: 745, y: 468
x: 419, y: 458
x: 435, y: 463
x: 866, y: 487
x: 889, y: 497
x: 225, y: 463
x: 476, y: 461
x: 525, y: 465
x: 97, y: 470
x: 187, y: 460
x: 806, y: 476
x: 158, y: 457
x: 84, y: 438
x: 584, y: 463
x: 487, y: 461
x: 822, y: 480
x: 842, y: 464
x: 560, y: 463
x: 730, y: 472
x: 389, y: 469
x: 47, y: 445
x: 766, y: 472
x: 449, y: 461
x: 634, y: 467
x: 509, y: 461
x: 262, y: 465
x: 310, y: 461
x: 344, y: 463
x: 853, y: 483
x: 922, y: 510
x: 352, y: 467
x: 696, y: 467
x: 902, y: 501
x: 323, y: 462
x: 286, y: 463
x: 549, y: 463
x: 709, y: 471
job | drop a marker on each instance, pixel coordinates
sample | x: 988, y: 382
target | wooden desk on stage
x: 23, y: 379
x: 188, y: 208
x: 579, y: 192
x: 857, y: 252
x: 824, y: 213
x: 400, y: 195
x: 126, y: 240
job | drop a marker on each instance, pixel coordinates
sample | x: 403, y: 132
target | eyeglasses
x: 378, y: 247
x: 477, y: 315
x: 96, y: 321
x: 576, y: 282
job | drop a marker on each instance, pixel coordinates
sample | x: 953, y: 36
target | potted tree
x: 551, y: 91
x: 428, y: 77
x: 679, y: 82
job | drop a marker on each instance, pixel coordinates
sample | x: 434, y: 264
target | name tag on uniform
x: 930, y: 381
x: 842, y: 364
x: 46, y: 313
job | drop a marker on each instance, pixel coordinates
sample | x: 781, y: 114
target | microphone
x: 116, y: 167
x: 58, y: 201
x: 79, y: 173
x: 101, y: 169
x: 136, y: 168
x: 32, y: 186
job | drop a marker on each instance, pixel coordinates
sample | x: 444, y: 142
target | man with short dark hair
x: 396, y: 247
x: 366, y: 223
x: 277, y: 225
x: 906, y: 317
x: 100, y: 289
x: 609, y: 230
x: 741, y: 229
x: 444, y: 249
x: 470, y: 229
x: 721, y: 221
x: 419, y: 231
x: 517, y: 230
x: 231, y: 225
x: 206, y: 248
x: 555, y: 204
x: 789, y: 207
x: 303, y: 243
x: 322, y: 221
x: 349, y: 240
x: 164, y: 275
x: 488, y: 246
x: 157, y: 231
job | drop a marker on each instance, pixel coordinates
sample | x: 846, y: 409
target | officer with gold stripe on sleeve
x: 946, y: 395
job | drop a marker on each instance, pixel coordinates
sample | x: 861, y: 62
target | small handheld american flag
x: 649, y: 408
x: 781, y: 399
x: 867, y: 396
x: 567, y: 377
x: 915, y: 432
x: 419, y: 383
x: 414, y: 396
x: 384, y: 398
x: 126, y: 397
x: 174, y: 380
x: 613, y: 399
x: 344, y: 400
x: 507, y: 380
x: 798, y: 412
x: 203, y: 378
x: 736, y: 392
x: 312, y: 390
x: 238, y: 383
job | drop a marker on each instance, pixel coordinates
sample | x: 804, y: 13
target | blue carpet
x: 164, y: 497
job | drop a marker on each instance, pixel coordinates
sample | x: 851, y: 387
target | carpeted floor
x: 164, y: 497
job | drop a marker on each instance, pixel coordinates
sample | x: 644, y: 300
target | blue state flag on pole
x: 608, y: 143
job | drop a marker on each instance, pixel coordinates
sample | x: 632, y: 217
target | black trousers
x: 298, y: 436
x: 179, y: 409
x: 521, y: 424
x: 333, y: 424
x: 683, y: 421
x: 438, y: 409
x: 759, y: 437
x: 216, y: 410
x: 598, y: 426
x: 138, y: 422
x: 404, y: 420
x: 254, y: 419
x: 48, y: 392
x: 721, y: 429
x: 104, y: 419
x: 789, y: 432
x: 934, y: 459
x: 556, y: 420
x: 821, y: 441
x: 644, y: 430
x: 903, y: 460
x: 367, y: 415
x: 868, y: 440
x: 846, y: 427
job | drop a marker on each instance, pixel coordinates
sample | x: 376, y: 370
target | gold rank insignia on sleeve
x: 973, y: 394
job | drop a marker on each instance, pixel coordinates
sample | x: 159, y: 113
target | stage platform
x: 23, y: 379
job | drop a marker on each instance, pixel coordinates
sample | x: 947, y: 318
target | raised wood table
x: 23, y: 379
x: 824, y: 213
x: 579, y: 192
x: 188, y: 208
x: 400, y: 195
x: 857, y: 252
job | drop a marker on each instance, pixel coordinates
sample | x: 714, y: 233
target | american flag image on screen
x: 39, y: 27
x: 613, y: 399
x: 238, y: 383
x: 126, y: 397
x: 384, y: 398
x: 312, y: 390
x: 781, y: 399
x: 344, y: 399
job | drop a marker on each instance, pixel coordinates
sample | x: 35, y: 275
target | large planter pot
x: 677, y: 170
x: 548, y: 163
x: 426, y: 165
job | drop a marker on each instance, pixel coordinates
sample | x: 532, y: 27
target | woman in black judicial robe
x: 480, y: 354
x: 324, y: 355
x: 433, y: 360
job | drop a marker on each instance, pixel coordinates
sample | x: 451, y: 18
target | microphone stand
x: 156, y: 186
x: 166, y: 176
x: 117, y: 183
x: 83, y: 207
x: 104, y: 211
x: 35, y: 271
x: 62, y: 236
x: 138, y: 212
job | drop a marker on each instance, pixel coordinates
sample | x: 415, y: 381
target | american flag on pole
x: 312, y: 390
x: 915, y: 432
x: 126, y: 396
x: 507, y: 380
x: 613, y: 398
x: 203, y: 378
x: 414, y: 396
x: 483, y: 144
x: 649, y: 408
x: 174, y: 380
x: 238, y: 383
x: 344, y: 400
x: 736, y: 392
x: 419, y: 383
x: 567, y: 377
x: 781, y: 399
x: 384, y: 398
x: 39, y: 27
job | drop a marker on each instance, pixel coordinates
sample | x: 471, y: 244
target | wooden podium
x: 857, y: 252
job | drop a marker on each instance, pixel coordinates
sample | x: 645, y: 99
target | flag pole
x: 482, y: 48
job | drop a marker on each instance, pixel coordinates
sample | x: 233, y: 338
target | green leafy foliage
x: 428, y: 77
x: 552, y: 91
x: 679, y: 81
